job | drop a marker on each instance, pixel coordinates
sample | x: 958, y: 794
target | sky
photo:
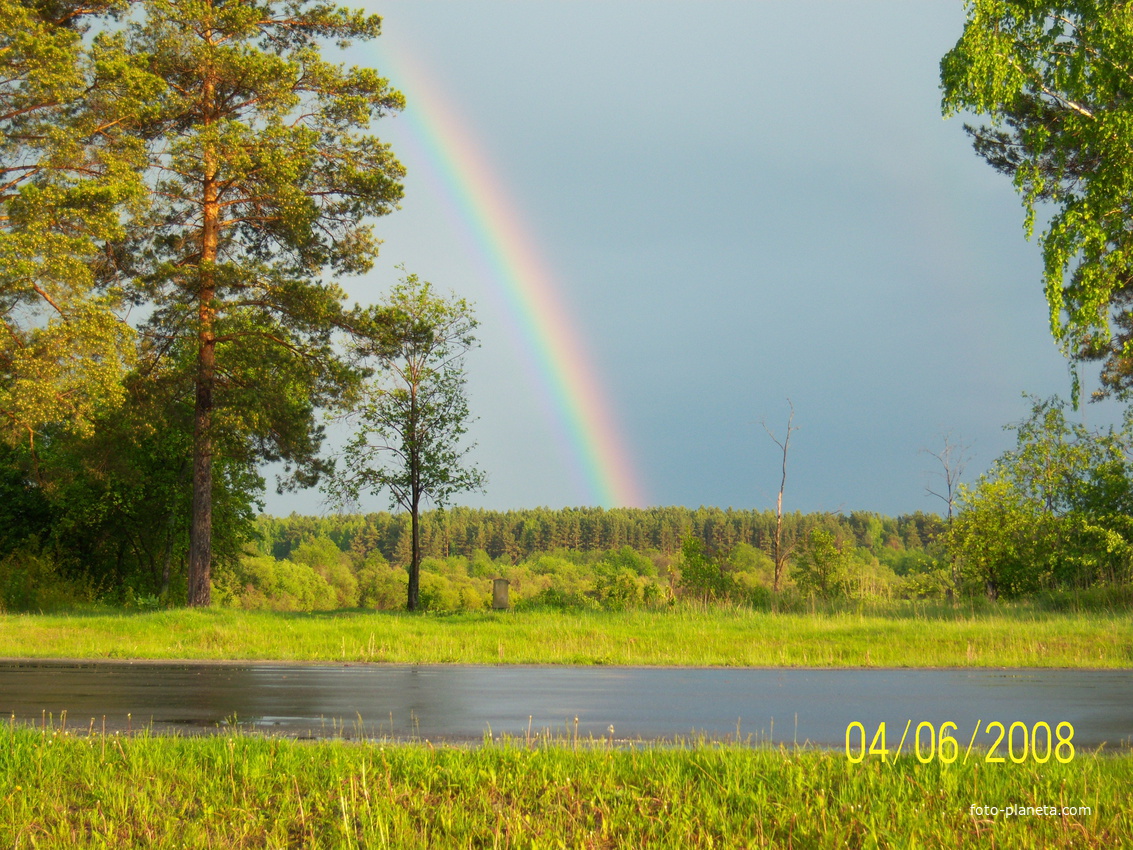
x: 674, y: 217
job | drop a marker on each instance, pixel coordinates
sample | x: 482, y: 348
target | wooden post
x: 499, y: 594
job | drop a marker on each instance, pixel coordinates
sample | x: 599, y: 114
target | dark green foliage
x: 822, y: 566
x: 701, y: 576
x: 30, y: 580
x: 24, y: 509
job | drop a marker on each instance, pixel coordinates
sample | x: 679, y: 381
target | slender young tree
x: 261, y: 172
x: 415, y: 412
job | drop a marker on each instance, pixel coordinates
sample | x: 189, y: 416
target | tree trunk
x: 200, y: 533
x: 414, y: 495
x: 415, y: 556
x: 779, y: 530
x: 200, y: 530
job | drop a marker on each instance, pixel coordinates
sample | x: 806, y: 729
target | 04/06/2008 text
x: 1021, y: 743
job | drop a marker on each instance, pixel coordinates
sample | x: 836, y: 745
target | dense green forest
x: 1052, y: 514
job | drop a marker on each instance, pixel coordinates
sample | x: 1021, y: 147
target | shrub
x: 325, y: 558
x: 443, y: 594
x: 263, y: 582
x: 30, y: 580
x: 558, y: 599
x: 382, y: 587
x: 618, y: 590
x: 627, y: 559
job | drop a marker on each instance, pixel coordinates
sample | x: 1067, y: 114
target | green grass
x: 1003, y: 637
x: 62, y: 791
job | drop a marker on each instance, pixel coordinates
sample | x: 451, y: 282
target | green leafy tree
x: 701, y: 574
x: 415, y: 413
x: 261, y: 173
x: 1056, y: 79
x: 822, y: 565
x: 1053, y: 512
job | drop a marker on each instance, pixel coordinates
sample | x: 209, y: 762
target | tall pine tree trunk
x: 414, y: 499
x: 200, y: 531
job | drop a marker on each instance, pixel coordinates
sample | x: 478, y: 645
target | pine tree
x: 260, y: 170
x: 66, y: 172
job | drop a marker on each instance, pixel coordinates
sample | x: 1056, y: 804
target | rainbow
x: 492, y: 225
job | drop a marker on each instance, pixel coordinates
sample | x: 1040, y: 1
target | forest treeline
x: 521, y: 534
x: 579, y: 558
x: 570, y: 555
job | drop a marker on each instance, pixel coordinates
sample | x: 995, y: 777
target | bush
x: 749, y: 589
x: 30, y: 580
x: 627, y: 559
x: 325, y: 558
x: 930, y: 584
x: 443, y: 594
x: 618, y: 590
x: 557, y: 599
x: 701, y: 575
x: 382, y: 587
x: 263, y: 582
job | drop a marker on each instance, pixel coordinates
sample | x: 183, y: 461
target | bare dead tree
x: 952, y: 458
x: 779, y: 554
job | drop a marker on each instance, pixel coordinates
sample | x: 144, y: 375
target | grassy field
x: 684, y: 636
x: 63, y: 791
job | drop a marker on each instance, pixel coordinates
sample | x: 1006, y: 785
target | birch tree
x: 1056, y: 81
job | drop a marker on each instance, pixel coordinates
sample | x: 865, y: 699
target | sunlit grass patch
x: 681, y: 636
x: 59, y: 790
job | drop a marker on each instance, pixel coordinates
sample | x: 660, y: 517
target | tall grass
x: 58, y: 790
x: 928, y: 636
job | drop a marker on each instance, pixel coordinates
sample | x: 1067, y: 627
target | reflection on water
x: 467, y: 702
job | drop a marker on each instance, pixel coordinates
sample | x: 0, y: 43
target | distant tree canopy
x: 519, y: 535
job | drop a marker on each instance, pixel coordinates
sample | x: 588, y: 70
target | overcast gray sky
x: 740, y: 202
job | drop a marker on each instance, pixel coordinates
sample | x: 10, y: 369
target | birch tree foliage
x: 67, y: 171
x: 1056, y: 81
x: 262, y: 173
x: 410, y: 426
